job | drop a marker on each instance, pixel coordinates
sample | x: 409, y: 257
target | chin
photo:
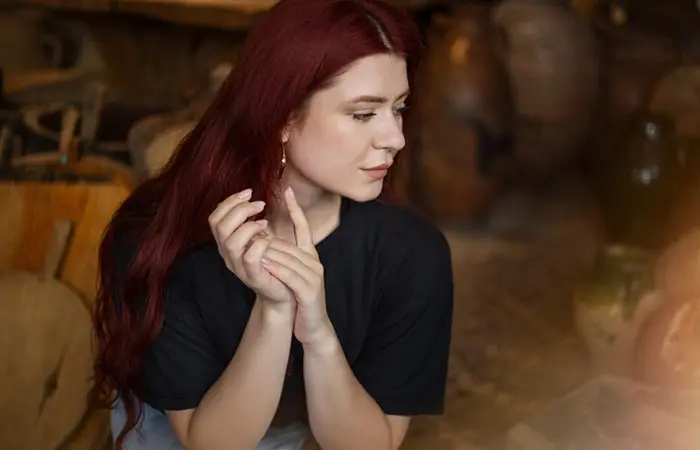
x: 364, y: 193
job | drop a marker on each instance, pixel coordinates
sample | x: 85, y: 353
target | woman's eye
x: 363, y: 117
x: 400, y: 109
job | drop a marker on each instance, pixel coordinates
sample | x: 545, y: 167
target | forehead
x: 377, y: 75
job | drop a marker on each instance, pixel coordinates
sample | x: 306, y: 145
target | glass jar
x: 639, y: 181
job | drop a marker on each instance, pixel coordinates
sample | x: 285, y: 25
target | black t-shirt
x: 389, y: 295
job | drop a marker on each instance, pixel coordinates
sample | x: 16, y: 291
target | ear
x: 294, y: 120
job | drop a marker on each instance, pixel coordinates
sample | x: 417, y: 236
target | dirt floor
x: 514, y: 349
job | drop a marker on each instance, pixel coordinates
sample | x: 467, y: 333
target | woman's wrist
x: 323, y: 343
x: 275, y: 313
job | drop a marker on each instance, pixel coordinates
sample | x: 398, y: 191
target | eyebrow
x: 375, y: 99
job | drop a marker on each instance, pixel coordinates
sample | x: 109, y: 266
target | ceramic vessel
x: 612, y: 304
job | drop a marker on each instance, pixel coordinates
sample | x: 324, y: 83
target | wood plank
x: 29, y: 209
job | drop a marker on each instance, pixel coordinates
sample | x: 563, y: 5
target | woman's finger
x: 288, y: 277
x: 302, y: 230
x: 309, y: 260
x: 253, y: 256
x: 291, y: 262
x: 235, y: 244
x: 236, y: 217
x: 225, y: 206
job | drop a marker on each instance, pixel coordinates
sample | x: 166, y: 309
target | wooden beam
x: 236, y: 15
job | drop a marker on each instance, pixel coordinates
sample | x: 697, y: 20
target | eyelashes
x: 365, y: 117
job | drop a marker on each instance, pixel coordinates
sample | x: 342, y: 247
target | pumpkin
x: 678, y: 268
x: 611, y: 305
x: 667, y: 348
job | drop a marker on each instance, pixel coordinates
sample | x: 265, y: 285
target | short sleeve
x: 183, y: 362
x: 404, y: 359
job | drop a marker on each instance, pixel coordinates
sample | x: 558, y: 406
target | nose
x: 389, y: 134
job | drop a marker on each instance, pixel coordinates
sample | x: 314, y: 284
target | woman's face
x: 351, y: 131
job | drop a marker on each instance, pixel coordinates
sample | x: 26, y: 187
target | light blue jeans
x: 154, y: 432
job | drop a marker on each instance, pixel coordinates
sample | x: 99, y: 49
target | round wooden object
x: 45, y: 349
x: 554, y: 71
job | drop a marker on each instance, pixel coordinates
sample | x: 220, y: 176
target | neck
x: 321, y: 208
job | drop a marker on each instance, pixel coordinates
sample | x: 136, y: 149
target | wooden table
x: 609, y: 413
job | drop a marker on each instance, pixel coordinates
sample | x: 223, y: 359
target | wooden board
x: 29, y: 209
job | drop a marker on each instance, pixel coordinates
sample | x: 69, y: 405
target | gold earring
x: 284, y: 161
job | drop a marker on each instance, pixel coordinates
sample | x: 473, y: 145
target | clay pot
x: 553, y: 66
x: 154, y: 139
x: 613, y: 303
x: 635, y: 60
x: 667, y: 349
x: 464, y: 117
x: 639, y: 181
x: 677, y: 96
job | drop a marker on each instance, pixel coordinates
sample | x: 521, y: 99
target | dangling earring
x: 284, y: 161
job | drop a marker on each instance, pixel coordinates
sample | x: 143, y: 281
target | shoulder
x: 401, y: 231
x: 409, y: 254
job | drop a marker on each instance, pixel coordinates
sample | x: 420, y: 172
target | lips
x: 384, y: 166
x: 378, y: 172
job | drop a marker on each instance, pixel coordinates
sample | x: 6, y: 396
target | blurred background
x: 556, y: 142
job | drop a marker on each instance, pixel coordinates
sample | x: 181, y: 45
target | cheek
x: 337, y: 146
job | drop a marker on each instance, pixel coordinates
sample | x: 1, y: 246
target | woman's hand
x: 242, y: 243
x: 299, y: 268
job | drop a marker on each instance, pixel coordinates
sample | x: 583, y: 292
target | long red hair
x: 294, y: 50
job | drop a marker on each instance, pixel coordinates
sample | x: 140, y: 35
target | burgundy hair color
x: 294, y: 50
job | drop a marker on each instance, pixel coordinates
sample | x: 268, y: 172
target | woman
x: 256, y: 294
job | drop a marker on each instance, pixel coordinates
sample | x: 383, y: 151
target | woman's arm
x: 341, y: 412
x: 237, y: 410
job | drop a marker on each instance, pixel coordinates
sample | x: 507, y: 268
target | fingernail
x: 262, y: 222
x: 265, y: 261
x: 258, y: 204
x: 244, y: 194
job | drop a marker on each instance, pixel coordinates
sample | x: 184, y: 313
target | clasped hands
x: 287, y: 277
